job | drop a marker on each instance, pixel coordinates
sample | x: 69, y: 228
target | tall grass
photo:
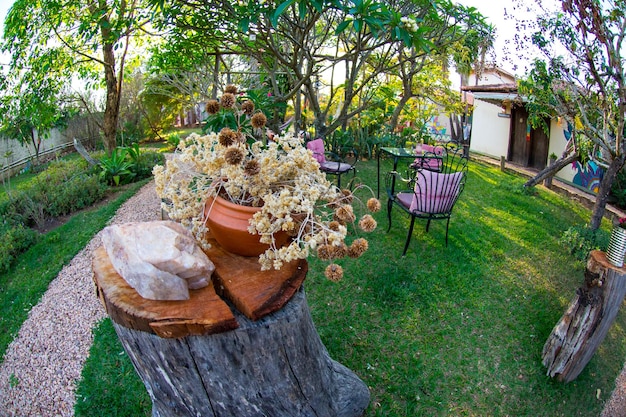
x: 443, y: 331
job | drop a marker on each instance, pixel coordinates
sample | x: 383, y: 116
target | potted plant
x: 276, y: 177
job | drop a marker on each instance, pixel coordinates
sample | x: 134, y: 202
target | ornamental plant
x: 279, y: 175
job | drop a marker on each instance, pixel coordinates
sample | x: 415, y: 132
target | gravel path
x: 42, y: 365
x: 616, y: 405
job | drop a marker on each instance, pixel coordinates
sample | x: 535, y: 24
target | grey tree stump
x: 274, y: 367
x: 584, y: 325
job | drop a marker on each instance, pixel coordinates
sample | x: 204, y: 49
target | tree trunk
x: 586, y: 322
x: 395, y: 116
x: 36, y: 141
x: 196, y: 357
x: 111, y: 110
x: 456, y: 128
x: 550, y: 170
x: 603, y: 192
x: 275, y: 367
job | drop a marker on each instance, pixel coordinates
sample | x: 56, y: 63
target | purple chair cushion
x: 429, y: 163
x: 435, y: 192
x: 317, y: 146
x: 331, y: 166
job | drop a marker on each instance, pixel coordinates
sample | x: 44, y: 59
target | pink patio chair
x: 331, y: 163
x: 428, y: 194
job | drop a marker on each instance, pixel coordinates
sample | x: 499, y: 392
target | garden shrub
x: 115, y: 168
x: 143, y: 164
x: 173, y: 139
x: 580, y: 240
x: 15, y: 238
x: 76, y: 193
x: 64, y: 187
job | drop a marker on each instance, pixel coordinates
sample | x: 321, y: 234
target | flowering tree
x: 306, y: 40
x: 584, y: 82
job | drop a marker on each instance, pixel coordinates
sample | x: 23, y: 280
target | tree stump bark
x: 586, y: 322
x: 274, y: 367
x: 197, y: 359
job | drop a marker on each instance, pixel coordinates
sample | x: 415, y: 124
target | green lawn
x: 444, y: 331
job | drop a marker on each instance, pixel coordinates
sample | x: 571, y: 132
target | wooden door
x: 528, y: 147
x: 519, y: 143
x: 539, y: 142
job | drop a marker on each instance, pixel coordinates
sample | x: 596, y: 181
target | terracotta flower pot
x: 229, y: 222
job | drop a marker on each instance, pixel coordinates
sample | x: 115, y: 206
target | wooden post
x: 502, y: 163
x: 196, y: 359
x: 586, y: 322
x: 548, y: 181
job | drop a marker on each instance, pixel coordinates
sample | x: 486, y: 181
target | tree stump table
x: 197, y: 358
x: 584, y: 325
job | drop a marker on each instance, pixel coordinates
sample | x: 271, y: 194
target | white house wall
x: 556, y: 147
x: 490, y: 133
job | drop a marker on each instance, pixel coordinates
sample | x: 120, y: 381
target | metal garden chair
x: 427, y: 194
x: 332, y: 163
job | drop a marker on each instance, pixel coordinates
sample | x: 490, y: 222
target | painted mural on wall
x: 587, y: 176
x: 436, y: 127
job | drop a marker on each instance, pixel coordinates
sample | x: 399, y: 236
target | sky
x: 495, y: 12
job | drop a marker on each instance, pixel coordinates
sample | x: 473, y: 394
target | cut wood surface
x: 586, y: 322
x: 205, y: 312
x: 255, y: 293
x: 238, y: 279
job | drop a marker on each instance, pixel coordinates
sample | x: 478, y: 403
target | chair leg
x: 339, y: 181
x: 447, y: 225
x: 408, y: 237
x: 389, y: 207
x: 427, y: 225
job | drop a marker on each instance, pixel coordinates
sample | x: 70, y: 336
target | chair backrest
x: 430, y: 157
x: 317, y: 146
x: 437, y: 192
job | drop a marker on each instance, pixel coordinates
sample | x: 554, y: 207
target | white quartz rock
x: 160, y: 259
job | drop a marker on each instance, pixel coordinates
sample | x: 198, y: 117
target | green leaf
x: 279, y: 10
x: 342, y: 26
x: 302, y: 10
x: 244, y: 24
